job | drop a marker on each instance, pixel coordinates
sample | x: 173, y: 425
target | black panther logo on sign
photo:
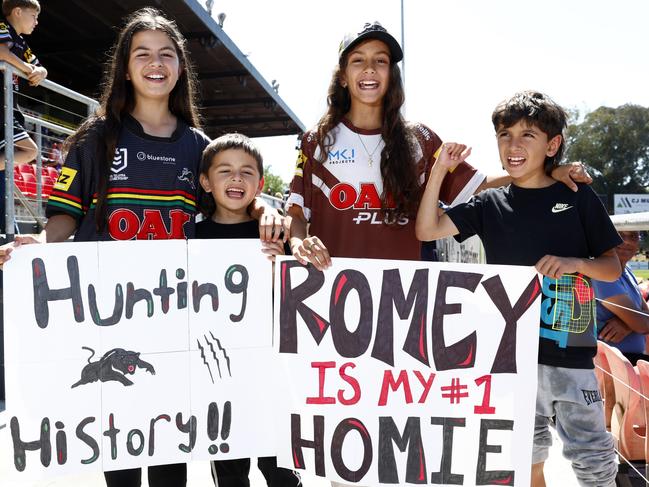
x: 114, y: 365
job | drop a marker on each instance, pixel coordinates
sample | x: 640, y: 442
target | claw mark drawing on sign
x: 215, y: 355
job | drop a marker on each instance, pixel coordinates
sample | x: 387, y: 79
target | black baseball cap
x: 373, y: 30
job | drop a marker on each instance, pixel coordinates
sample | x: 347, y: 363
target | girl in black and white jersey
x: 119, y: 164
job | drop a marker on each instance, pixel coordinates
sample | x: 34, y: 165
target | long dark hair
x: 118, y: 100
x: 401, y: 188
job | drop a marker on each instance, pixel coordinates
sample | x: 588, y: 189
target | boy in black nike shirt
x: 231, y: 177
x: 569, y: 237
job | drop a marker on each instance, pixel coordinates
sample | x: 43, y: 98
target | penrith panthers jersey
x: 151, y: 189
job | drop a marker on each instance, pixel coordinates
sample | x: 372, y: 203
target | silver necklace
x: 370, y: 156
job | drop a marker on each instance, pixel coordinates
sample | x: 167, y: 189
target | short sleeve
x: 601, y: 234
x: 74, y: 189
x: 605, y: 290
x: 460, y: 184
x: 467, y: 217
x: 5, y: 36
x: 301, y: 185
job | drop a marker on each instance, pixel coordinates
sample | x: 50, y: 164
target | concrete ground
x: 557, y: 470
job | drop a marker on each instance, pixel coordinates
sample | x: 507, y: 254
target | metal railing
x: 9, y: 72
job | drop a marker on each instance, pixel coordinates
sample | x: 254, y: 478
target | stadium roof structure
x: 74, y: 37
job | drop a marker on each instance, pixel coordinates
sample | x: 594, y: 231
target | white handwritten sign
x: 126, y: 354
x: 408, y: 372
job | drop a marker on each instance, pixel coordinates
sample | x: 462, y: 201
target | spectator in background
x: 57, y: 156
x: 618, y: 303
x: 20, y: 18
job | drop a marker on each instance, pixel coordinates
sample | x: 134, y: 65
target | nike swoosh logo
x: 559, y: 210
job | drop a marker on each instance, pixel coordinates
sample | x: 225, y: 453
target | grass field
x: 644, y: 274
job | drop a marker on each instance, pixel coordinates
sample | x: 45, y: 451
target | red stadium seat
x: 29, y: 181
x: 628, y: 423
x: 18, y: 181
x: 606, y: 388
x: 643, y: 371
x: 48, y: 184
x: 26, y: 168
x: 52, y: 172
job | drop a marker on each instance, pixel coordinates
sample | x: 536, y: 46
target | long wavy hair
x: 401, y: 188
x: 118, y: 99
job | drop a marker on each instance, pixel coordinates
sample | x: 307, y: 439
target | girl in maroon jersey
x: 361, y: 171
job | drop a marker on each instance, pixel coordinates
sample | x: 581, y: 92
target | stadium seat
x: 606, y: 388
x: 29, y: 181
x: 18, y: 181
x: 27, y: 168
x: 52, y: 172
x: 48, y: 184
x: 643, y: 372
x: 628, y: 423
x: 18, y: 177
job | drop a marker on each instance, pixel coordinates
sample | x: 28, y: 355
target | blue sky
x: 461, y: 58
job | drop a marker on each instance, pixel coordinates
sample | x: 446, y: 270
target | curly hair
x: 536, y: 109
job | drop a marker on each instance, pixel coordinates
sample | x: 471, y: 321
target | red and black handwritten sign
x: 408, y: 372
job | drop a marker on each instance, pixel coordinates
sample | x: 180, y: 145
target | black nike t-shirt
x: 211, y: 229
x: 519, y: 226
x: 249, y: 229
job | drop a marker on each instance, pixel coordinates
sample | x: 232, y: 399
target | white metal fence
x: 32, y: 206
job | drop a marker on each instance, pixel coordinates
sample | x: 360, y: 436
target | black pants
x: 234, y: 473
x: 174, y: 475
x: 2, y: 354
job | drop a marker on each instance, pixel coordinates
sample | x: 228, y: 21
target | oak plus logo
x: 344, y: 196
x: 120, y: 161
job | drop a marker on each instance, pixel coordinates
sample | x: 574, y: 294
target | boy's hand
x: 311, y: 249
x: 271, y: 249
x: 271, y: 225
x: 571, y: 173
x: 451, y: 155
x: 555, y: 267
x: 615, y: 330
x: 6, y: 249
x: 38, y: 74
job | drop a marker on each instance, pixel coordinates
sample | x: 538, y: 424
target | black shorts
x: 19, y: 131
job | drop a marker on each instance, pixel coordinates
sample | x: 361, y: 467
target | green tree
x: 273, y: 183
x: 614, y: 144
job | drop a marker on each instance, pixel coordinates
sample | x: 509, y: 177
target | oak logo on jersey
x: 125, y: 224
x: 65, y: 178
x: 366, y: 199
x: 121, y: 160
x: 344, y: 196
